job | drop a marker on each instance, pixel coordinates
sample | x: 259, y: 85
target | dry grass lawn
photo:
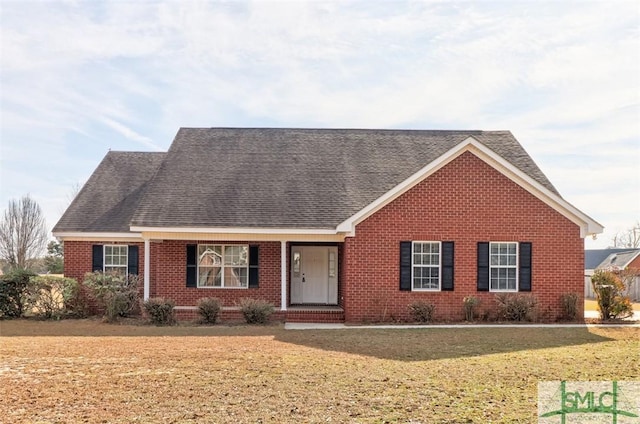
x: 87, y: 371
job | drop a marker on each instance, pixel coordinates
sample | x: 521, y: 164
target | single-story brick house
x: 331, y: 224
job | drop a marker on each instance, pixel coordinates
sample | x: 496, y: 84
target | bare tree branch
x: 629, y: 238
x: 23, y: 233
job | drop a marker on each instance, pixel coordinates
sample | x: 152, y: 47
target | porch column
x: 283, y: 275
x: 147, y: 261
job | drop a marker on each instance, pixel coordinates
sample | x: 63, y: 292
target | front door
x: 314, y: 275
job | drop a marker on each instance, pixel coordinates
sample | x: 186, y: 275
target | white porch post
x: 283, y: 275
x: 147, y: 261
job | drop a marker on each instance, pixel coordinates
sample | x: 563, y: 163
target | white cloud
x: 81, y: 77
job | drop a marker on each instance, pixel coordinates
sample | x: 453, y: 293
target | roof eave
x: 97, y: 236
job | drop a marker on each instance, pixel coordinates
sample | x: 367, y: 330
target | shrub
x: 51, y: 297
x: 12, y: 288
x: 516, y: 307
x: 609, y: 290
x: 160, y: 310
x: 209, y: 309
x: 569, y: 302
x: 115, y: 293
x: 255, y: 311
x: 422, y: 311
x: 469, y: 305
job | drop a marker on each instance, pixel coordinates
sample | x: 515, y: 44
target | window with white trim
x: 116, y: 259
x: 425, y: 265
x: 223, y: 265
x: 503, y: 266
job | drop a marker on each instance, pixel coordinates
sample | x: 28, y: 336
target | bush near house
x: 209, y: 309
x: 569, y: 302
x: 160, y: 310
x: 422, y: 311
x: 51, y: 297
x: 469, y: 306
x: 609, y: 289
x: 255, y: 311
x: 12, y: 288
x: 516, y: 307
x: 114, y: 293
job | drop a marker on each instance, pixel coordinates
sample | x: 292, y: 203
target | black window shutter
x: 525, y: 267
x: 253, y: 266
x: 405, y: 265
x: 132, y: 263
x: 192, y: 265
x: 483, y: 266
x: 97, y: 260
x: 447, y: 266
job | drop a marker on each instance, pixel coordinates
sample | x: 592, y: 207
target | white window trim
x: 516, y: 267
x: 223, y: 266
x: 104, y: 258
x: 439, y: 243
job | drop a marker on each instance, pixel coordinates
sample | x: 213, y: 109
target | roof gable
x: 548, y: 195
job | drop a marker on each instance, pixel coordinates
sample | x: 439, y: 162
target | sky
x: 80, y: 78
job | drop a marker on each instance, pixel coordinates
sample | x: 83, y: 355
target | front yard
x: 87, y: 371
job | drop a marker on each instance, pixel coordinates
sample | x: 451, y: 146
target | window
x: 503, y: 266
x: 115, y: 259
x: 223, y: 265
x: 426, y: 265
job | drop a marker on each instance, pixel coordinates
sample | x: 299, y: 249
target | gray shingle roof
x: 108, y: 200
x: 598, y: 258
x: 292, y: 178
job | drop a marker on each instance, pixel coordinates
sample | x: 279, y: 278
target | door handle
x: 303, y: 279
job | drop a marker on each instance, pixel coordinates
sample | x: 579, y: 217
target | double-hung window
x: 223, y: 265
x: 425, y: 265
x: 116, y: 259
x: 503, y: 266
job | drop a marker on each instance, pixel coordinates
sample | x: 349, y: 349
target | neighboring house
x: 327, y: 224
x: 616, y: 259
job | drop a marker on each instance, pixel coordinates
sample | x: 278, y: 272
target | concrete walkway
x: 633, y: 322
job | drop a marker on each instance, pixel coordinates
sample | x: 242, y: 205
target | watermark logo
x: 564, y: 402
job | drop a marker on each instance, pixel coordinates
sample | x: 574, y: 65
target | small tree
x: 54, y: 261
x: 23, y: 233
x: 609, y: 290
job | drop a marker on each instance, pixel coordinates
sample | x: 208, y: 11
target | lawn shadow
x: 401, y: 344
x: 434, y: 343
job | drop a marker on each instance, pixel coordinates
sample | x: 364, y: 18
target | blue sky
x: 80, y: 78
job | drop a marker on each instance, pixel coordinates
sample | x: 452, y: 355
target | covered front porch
x: 299, y: 274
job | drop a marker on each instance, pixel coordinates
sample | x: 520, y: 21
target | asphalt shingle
x: 269, y: 177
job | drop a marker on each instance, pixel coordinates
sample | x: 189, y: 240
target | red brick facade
x: 466, y: 202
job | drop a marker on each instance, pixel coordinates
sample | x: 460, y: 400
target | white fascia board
x: 236, y: 230
x: 96, y: 235
x: 587, y: 225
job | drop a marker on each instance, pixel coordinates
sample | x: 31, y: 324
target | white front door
x: 314, y: 275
